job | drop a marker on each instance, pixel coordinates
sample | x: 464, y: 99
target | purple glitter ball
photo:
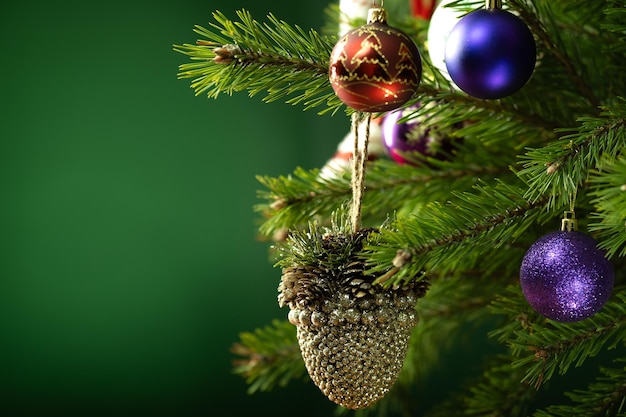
x: 565, y: 277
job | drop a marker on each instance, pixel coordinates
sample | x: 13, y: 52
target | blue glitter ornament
x: 490, y: 53
x: 565, y: 277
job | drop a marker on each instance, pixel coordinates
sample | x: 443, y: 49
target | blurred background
x: 130, y: 261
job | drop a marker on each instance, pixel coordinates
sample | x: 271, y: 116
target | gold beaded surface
x: 353, y: 340
x: 355, y: 353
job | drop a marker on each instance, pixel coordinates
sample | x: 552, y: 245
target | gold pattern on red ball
x: 375, y: 67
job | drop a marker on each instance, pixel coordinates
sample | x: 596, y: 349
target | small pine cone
x: 353, y: 335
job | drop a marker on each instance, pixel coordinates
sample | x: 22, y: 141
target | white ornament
x: 441, y: 23
x: 350, y: 10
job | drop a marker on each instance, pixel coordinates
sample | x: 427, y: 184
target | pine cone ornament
x: 353, y: 334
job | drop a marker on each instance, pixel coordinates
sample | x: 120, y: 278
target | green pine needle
x: 451, y: 237
x: 606, y: 396
x: 544, y: 347
x: 560, y: 168
x: 269, y: 357
x: 609, y: 220
x: 277, y: 59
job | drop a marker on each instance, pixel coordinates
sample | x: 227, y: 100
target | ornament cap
x: 493, y: 4
x: 377, y: 15
x: 569, y: 222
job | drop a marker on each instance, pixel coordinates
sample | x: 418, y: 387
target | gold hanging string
x: 569, y: 222
x: 359, y: 162
x: 572, y: 199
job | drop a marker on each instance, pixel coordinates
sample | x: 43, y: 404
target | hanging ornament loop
x: 493, y: 4
x: 569, y: 222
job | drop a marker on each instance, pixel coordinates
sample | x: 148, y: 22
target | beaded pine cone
x: 353, y: 335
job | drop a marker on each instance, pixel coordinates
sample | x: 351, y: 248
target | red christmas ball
x: 375, y: 68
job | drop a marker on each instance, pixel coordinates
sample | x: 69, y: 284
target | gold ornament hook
x: 493, y: 4
x: 377, y: 15
x: 569, y: 222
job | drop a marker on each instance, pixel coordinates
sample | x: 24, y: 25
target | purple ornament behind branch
x: 399, y: 139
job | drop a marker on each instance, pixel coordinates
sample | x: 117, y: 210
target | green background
x: 130, y: 260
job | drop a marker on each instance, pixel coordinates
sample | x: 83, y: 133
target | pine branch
x: 269, y: 357
x: 308, y: 246
x: 552, y: 42
x: 560, y: 168
x: 615, y: 23
x: 543, y: 346
x: 295, y: 199
x: 448, y: 237
x: 606, y: 396
x: 511, y: 119
x: 285, y: 62
x: 276, y: 58
x: 609, y: 219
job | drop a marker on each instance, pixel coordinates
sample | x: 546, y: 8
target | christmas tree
x: 458, y: 233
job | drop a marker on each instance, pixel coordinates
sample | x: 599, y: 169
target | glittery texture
x: 565, y: 277
x: 355, y: 350
x: 353, y: 335
x: 490, y: 53
x: 375, y: 68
